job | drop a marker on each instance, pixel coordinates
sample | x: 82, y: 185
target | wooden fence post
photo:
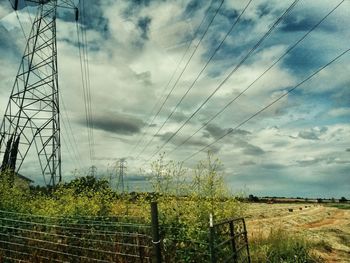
x: 157, y: 255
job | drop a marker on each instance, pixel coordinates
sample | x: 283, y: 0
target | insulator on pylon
x: 76, y: 14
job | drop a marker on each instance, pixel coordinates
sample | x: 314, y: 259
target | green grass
x: 281, y: 246
x: 341, y: 206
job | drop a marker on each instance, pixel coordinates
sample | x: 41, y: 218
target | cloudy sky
x: 236, y: 52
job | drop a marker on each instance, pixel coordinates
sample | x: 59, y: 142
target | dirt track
x: 327, y: 225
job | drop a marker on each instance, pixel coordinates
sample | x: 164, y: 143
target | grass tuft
x: 281, y: 246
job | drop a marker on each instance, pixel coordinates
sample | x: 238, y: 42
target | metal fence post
x: 211, y: 239
x: 233, y: 242
x: 157, y: 255
x: 246, y: 238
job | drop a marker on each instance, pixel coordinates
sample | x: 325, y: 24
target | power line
x: 258, y: 78
x: 68, y: 150
x: 227, y: 77
x: 85, y: 47
x: 83, y: 68
x: 167, y: 85
x: 75, y: 144
x: 70, y: 136
x: 183, y: 70
x: 267, y: 106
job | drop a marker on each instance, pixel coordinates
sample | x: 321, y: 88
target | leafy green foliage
x: 88, y: 185
x: 12, y: 197
x: 83, y: 196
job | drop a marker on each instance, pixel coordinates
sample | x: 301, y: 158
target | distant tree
x: 343, y: 200
x: 88, y: 184
x: 253, y: 198
x: 333, y: 200
x: 319, y: 200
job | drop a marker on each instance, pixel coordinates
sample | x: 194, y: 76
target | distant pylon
x: 32, y: 115
x: 121, y: 168
x: 92, y: 171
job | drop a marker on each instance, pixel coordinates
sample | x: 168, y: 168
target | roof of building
x: 24, y: 178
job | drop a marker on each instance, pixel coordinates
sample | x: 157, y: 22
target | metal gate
x: 228, y: 241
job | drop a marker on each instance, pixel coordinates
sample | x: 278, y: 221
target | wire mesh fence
x: 31, y: 238
x: 39, y: 239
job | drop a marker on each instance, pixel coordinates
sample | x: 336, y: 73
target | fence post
x: 246, y: 238
x: 211, y: 239
x: 233, y: 242
x: 157, y: 255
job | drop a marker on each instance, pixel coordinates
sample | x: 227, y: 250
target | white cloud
x: 128, y: 73
x: 337, y: 112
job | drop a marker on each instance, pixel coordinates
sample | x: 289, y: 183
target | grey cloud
x: 240, y: 132
x: 145, y: 78
x: 247, y: 163
x: 218, y: 132
x: 273, y: 166
x: 248, y: 148
x: 8, y: 41
x: 253, y: 150
x: 308, y: 135
x: 312, y: 134
x: 348, y: 150
x: 116, y: 123
x: 304, y: 163
x: 144, y: 24
x: 341, y: 96
x: 326, y: 160
x: 215, y: 131
x: 177, y: 140
x: 179, y: 116
x: 165, y: 136
x: 323, y: 129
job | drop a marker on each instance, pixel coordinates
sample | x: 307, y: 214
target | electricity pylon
x: 32, y: 115
x: 92, y: 171
x: 121, y: 167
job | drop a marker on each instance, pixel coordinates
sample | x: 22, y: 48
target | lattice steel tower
x: 121, y: 166
x: 32, y: 117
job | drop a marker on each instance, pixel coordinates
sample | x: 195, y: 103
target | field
x: 327, y: 226
x: 68, y: 221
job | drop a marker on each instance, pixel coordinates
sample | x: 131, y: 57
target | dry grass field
x: 328, y: 227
